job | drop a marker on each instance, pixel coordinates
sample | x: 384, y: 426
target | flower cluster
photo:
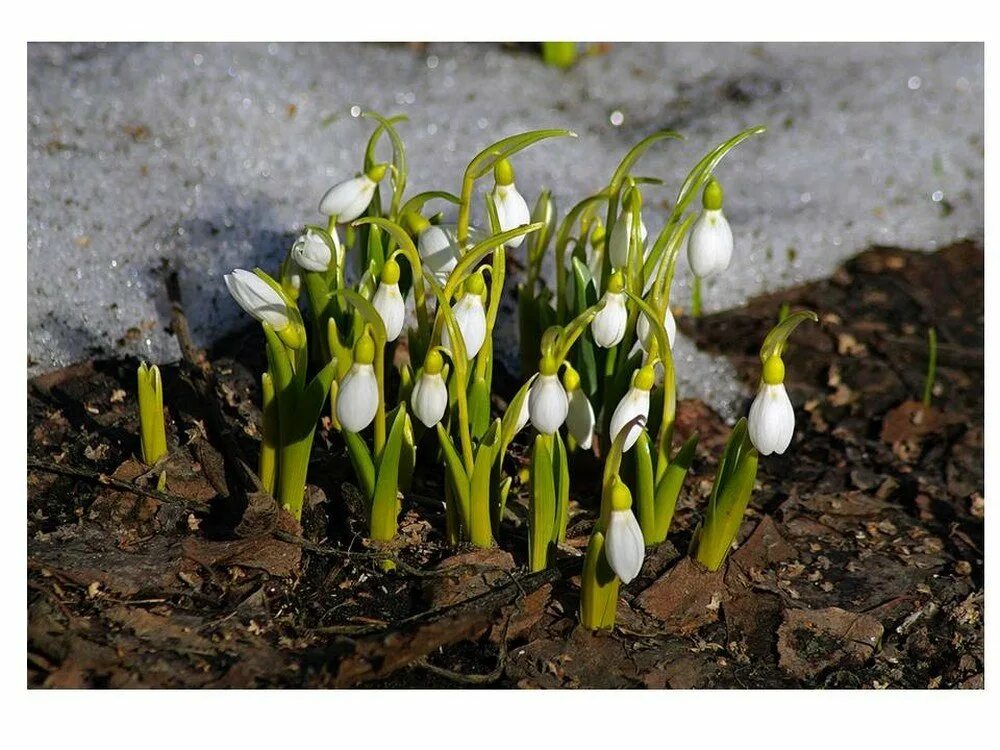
x: 397, y: 296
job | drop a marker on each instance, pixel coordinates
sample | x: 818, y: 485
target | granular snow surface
x: 206, y: 157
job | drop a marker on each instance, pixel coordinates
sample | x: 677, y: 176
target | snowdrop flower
x: 347, y: 200
x: 311, y: 252
x: 265, y: 303
x: 608, y: 326
x: 644, y: 331
x: 388, y: 301
x: 358, y: 394
x: 438, y: 251
x: 622, y: 230
x: 772, y: 419
x: 710, y: 244
x: 512, y: 209
x: 429, y: 398
x: 580, y: 415
x: 470, y: 314
x: 624, y: 546
x: 547, y: 402
x: 634, y: 404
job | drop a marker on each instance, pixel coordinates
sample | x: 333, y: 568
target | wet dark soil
x: 860, y: 563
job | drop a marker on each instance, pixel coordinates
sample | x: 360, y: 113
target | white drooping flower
x: 429, y: 397
x: 388, y: 301
x: 470, y: 315
x: 634, y: 404
x: 644, y: 331
x: 357, y: 393
x: 580, y: 414
x: 608, y: 326
x: 710, y: 243
x: 311, y: 252
x: 347, y: 200
x: 622, y: 230
x: 512, y: 209
x: 624, y: 547
x: 547, y: 401
x: 257, y: 297
x: 438, y: 252
x: 772, y: 419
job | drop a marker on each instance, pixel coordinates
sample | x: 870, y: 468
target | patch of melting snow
x: 213, y: 156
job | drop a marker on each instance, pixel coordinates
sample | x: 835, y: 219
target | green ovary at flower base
x: 152, y: 427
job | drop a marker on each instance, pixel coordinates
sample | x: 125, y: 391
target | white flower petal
x: 772, y: 420
x: 349, y: 199
x: 580, y: 419
x: 710, y: 244
x: 634, y: 404
x: 429, y: 399
x: 357, y: 398
x: 512, y: 211
x: 257, y: 297
x: 471, y: 318
x: 609, y: 324
x: 389, y: 304
x: 624, y: 547
x: 547, y: 404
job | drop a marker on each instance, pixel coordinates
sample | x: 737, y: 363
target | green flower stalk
x: 152, y: 428
x: 548, y: 409
x: 298, y: 400
x: 615, y: 552
x: 270, y: 435
x: 769, y: 430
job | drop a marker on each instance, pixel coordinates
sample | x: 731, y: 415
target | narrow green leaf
x: 541, y: 516
x: 644, y: 489
x: 669, y: 486
x: 598, y: 587
x: 459, y: 479
x: 560, y: 474
x: 385, y: 499
x: 361, y: 460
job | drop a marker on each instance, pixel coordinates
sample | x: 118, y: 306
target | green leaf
x: 598, y: 587
x: 560, y: 475
x: 585, y: 293
x: 368, y: 313
x: 774, y: 342
x: 385, y: 499
x: 361, y: 460
x: 456, y: 472
x: 508, y: 424
x: 479, y: 407
x: 669, y: 486
x: 541, y: 515
x: 644, y: 489
x: 480, y: 524
x: 730, y: 497
x: 633, y: 156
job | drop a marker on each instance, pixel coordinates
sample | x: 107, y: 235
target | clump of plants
x: 396, y: 338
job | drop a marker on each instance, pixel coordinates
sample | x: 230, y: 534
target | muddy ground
x: 860, y: 563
